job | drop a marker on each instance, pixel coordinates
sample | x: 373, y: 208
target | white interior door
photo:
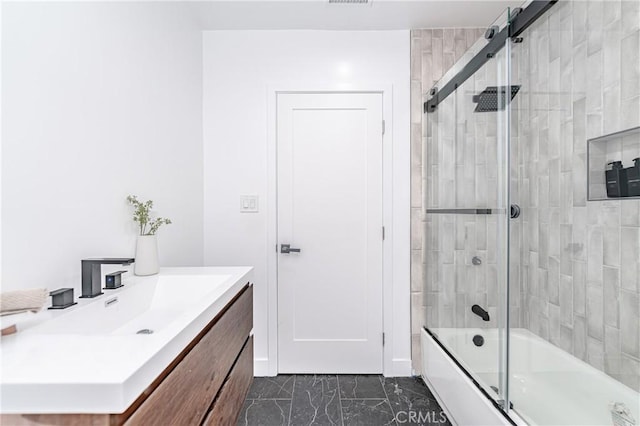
x: 330, y: 207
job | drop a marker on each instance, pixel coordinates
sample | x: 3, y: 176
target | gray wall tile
x: 629, y: 69
x: 612, y: 353
x: 630, y: 17
x: 629, y: 323
x: 629, y: 255
x: 595, y: 310
x: 580, y: 337
x: 611, y: 297
x: 431, y: 49
x: 630, y: 371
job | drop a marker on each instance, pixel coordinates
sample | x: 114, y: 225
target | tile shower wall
x: 579, y: 67
x: 462, y: 169
x: 433, y: 51
x: 579, y: 260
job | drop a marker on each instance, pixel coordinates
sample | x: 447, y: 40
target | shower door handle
x: 462, y: 211
x: 286, y: 249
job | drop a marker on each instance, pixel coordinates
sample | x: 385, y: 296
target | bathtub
x: 548, y: 386
x: 91, y: 358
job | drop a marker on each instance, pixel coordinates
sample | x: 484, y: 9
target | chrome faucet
x: 91, y: 271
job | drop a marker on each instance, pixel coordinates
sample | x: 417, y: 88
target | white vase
x: 146, y: 255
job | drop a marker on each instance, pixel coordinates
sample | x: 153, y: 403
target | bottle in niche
x: 633, y: 178
x: 616, y: 180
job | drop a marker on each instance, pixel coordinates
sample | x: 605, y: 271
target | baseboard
x: 401, y: 367
x: 261, y: 367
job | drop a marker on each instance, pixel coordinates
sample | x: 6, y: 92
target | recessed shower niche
x: 613, y: 164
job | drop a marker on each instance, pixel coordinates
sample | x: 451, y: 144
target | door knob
x: 286, y: 248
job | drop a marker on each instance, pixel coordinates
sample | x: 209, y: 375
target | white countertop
x: 88, y: 358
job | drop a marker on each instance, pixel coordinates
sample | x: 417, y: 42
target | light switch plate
x: 248, y: 203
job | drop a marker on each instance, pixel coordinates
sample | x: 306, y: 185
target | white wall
x: 240, y: 68
x: 99, y: 101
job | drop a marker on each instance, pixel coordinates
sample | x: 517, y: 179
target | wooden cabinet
x: 185, y: 395
x: 206, y: 384
x: 225, y: 409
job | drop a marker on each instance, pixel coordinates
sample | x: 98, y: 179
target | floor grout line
x: 293, y: 390
x: 364, y: 399
x: 340, y: 399
x: 393, y: 412
x: 270, y: 399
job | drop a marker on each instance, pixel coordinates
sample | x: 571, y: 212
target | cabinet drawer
x: 186, y: 393
x: 229, y: 402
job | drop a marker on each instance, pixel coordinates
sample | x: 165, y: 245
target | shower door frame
x: 518, y: 24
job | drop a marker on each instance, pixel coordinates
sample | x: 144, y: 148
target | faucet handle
x: 113, y: 280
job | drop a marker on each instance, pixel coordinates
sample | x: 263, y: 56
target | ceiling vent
x: 348, y: 1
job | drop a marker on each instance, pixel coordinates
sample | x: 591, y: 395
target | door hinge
x: 383, y: 126
x: 382, y: 339
x: 383, y: 233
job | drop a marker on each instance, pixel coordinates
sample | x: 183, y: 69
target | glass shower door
x: 467, y: 219
x: 575, y: 351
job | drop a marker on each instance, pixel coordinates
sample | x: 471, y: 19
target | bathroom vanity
x: 170, y: 349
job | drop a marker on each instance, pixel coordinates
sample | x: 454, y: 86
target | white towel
x: 13, y: 302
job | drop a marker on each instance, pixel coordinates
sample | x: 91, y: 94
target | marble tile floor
x: 367, y: 400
